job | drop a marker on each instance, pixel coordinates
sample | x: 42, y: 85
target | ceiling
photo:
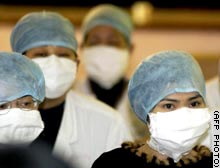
x: 164, y: 13
x: 156, y: 3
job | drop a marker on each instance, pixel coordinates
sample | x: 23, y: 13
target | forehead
x: 104, y: 31
x: 50, y: 50
x: 183, y: 96
x: 27, y: 97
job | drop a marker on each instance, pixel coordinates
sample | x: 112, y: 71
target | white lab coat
x: 213, y: 93
x: 137, y: 128
x: 88, y: 129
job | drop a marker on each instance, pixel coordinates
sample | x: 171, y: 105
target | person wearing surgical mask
x: 76, y: 127
x: 213, y: 91
x: 167, y: 93
x: 22, y: 89
x: 106, y: 53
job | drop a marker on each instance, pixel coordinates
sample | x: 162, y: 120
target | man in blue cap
x: 106, y: 52
x: 76, y: 127
x: 22, y: 89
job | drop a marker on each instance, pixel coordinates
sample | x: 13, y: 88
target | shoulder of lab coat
x: 213, y: 93
x: 82, y: 86
x: 137, y: 128
x: 89, y: 128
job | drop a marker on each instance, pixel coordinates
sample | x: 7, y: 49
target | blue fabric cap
x: 160, y: 75
x: 110, y: 15
x: 20, y: 77
x: 38, y: 29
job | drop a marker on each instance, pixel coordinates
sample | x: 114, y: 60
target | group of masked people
x: 157, y: 118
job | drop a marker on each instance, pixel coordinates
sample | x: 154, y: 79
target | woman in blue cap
x: 106, y: 51
x: 76, y: 127
x: 22, y: 89
x: 167, y: 92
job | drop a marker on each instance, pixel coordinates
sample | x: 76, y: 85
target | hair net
x: 41, y: 29
x: 107, y: 14
x: 20, y: 77
x: 163, y: 74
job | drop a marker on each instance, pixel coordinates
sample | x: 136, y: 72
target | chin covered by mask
x: 20, y: 126
x: 59, y: 74
x: 105, y: 65
x: 175, y: 133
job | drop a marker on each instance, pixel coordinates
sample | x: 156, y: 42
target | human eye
x: 93, y: 42
x: 69, y: 56
x: 26, y: 104
x: 114, y: 43
x: 195, y: 104
x: 165, y: 106
x: 64, y: 55
x: 38, y: 54
x: 168, y: 106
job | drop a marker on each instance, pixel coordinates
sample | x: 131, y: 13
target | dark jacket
x: 126, y: 157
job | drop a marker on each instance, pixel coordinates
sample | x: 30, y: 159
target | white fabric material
x: 105, y: 65
x: 88, y: 129
x: 175, y: 133
x: 19, y: 126
x: 137, y: 128
x: 59, y: 74
x: 213, y: 93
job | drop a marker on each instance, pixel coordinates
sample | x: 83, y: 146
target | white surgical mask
x: 105, y: 65
x: 20, y: 126
x: 175, y: 133
x: 59, y: 74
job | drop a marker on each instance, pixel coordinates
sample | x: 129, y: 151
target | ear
x: 77, y: 62
x: 131, y: 48
x: 82, y: 44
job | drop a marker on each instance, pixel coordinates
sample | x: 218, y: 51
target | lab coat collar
x: 69, y: 122
x: 68, y: 129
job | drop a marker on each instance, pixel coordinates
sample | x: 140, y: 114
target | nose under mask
x: 20, y: 126
x: 59, y: 74
x: 175, y: 133
x: 105, y: 65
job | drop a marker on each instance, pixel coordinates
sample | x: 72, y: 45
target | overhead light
x: 141, y: 12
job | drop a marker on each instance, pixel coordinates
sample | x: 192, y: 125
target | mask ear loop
x: 148, y: 120
x: 148, y: 125
x: 148, y: 138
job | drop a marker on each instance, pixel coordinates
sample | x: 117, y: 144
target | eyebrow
x: 168, y: 99
x: 195, y: 97
x: 174, y: 100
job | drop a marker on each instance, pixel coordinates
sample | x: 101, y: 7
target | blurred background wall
x: 185, y: 25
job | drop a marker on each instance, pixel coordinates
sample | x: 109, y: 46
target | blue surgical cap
x: 20, y: 77
x: 38, y: 29
x: 160, y: 75
x: 110, y: 15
